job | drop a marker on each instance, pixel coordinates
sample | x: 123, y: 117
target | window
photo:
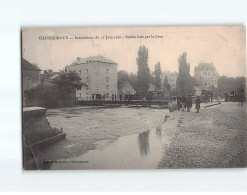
x: 87, y: 87
x: 107, y: 95
x: 87, y: 70
x: 79, y: 71
x: 107, y: 70
x: 107, y: 79
x: 80, y: 94
x: 107, y: 86
x: 87, y: 79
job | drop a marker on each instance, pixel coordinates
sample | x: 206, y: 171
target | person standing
x: 211, y: 96
x: 189, y: 102
x: 183, y: 100
x: 242, y: 96
x: 179, y: 102
x: 226, y: 96
x: 206, y: 96
x: 197, y: 102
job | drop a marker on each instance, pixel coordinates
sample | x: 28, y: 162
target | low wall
x: 37, y: 133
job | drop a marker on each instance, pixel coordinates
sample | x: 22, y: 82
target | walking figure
x: 197, y: 102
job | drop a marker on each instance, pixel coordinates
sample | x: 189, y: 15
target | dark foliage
x: 143, y: 73
x: 166, y: 84
x: 62, y: 88
x: 157, y: 73
x: 184, y: 81
x: 67, y: 83
x: 42, y: 95
x: 231, y: 84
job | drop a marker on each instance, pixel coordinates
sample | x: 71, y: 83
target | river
x: 123, y: 138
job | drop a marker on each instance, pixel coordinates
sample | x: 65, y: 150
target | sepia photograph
x: 115, y: 98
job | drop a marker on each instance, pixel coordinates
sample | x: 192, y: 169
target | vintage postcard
x: 134, y: 97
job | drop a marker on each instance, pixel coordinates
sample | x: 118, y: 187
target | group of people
x: 184, y: 103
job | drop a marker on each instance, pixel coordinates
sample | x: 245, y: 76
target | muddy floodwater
x: 123, y: 138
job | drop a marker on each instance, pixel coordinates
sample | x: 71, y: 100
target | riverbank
x: 213, y: 138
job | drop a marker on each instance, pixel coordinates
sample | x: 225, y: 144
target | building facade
x: 206, y: 75
x: 30, y: 75
x: 98, y: 73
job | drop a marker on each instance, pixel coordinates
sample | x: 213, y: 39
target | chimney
x: 78, y: 58
x: 50, y: 71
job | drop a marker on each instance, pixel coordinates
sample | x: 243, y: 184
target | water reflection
x: 158, y: 132
x: 143, y: 143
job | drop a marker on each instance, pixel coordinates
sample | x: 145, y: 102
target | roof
x: 48, y: 75
x: 98, y: 58
x: 205, y: 67
x: 25, y: 65
x: 151, y: 87
x: 126, y: 87
x: 54, y: 76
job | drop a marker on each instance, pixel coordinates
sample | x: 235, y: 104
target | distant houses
x: 30, y: 75
x: 206, y: 75
x: 99, y: 74
x: 48, y: 76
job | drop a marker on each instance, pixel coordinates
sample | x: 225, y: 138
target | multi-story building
x: 206, y: 75
x: 172, y: 78
x: 98, y: 73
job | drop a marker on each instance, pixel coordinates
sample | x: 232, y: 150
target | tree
x: 231, y: 83
x: 166, y: 84
x: 184, y: 81
x: 122, y: 76
x: 143, y: 73
x: 67, y: 83
x: 61, y: 88
x: 133, y: 80
x: 157, y: 73
x: 42, y: 95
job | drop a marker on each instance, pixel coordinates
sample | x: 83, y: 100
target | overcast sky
x: 223, y: 46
